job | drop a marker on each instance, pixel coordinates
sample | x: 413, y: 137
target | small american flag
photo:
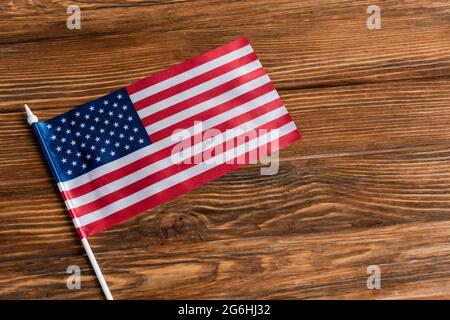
x: 113, y: 157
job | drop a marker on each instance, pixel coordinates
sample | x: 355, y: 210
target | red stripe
x: 166, y: 172
x: 202, y: 97
x: 188, y: 84
x: 175, y: 191
x: 187, y: 65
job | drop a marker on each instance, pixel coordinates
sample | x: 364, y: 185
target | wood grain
x: 368, y: 184
x: 117, y: 46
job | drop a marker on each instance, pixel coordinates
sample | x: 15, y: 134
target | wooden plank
x: 413, y: 259
x: 42, y: 61
x: 333, y: 121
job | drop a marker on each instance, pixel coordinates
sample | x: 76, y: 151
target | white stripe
x: 203, y: 87
x: 181, y: 176
x: 206, y: 105
x: 164, y: 143
x: 191, y: 73
x: 168, y: 162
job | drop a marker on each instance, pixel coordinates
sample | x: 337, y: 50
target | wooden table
x: 369, y: 184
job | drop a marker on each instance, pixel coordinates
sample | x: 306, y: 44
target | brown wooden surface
x: 368, y: 184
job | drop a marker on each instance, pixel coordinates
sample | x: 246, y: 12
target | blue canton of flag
x: 92, y: 135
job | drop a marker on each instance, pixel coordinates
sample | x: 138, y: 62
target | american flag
x: 113, y: 157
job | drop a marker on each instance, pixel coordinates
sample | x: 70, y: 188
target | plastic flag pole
x: 31, y: 118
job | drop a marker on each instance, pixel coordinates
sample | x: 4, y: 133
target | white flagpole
x: 97, y: 270
x: 31, y: 118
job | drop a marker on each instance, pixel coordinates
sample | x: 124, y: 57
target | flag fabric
x: 113, y: 157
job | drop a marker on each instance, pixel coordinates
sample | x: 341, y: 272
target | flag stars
x: 95, y: 134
